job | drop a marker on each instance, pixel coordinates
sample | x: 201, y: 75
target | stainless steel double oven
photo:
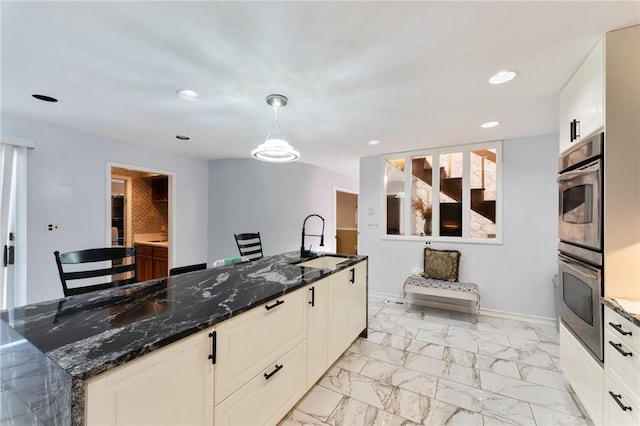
x: 580, y: 231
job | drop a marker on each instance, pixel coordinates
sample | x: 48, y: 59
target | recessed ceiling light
x: 374, y: 142
x: 188, y: 94
x: 45, y: 98
x: 489, y: 124
x: 183, y: 138
x: 503, y: 77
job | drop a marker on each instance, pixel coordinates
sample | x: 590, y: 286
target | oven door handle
x: 572, y: 266
x: 575, y: 173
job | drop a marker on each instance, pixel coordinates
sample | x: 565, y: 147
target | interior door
x: 13, y: 226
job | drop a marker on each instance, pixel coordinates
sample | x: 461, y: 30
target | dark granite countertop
x: 634, y: 318
x: 88, y: 334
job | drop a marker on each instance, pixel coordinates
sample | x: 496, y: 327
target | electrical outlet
x: 52, y: 227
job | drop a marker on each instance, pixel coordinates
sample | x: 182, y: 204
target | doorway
x: 141, y: 214
x: 346, y: 221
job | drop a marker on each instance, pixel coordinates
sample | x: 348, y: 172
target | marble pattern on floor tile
x: 415, y: 381
x: 428, y: 411
x: 465, y: 333
x: 534, y: 357
x: 444, y: 369
x: 540, y: 376
x: 432, y: 350
x: 352, y: 412
x: 435, y: 328
x: 381, y: 352
x: 299, y: 418
x: 558, y: 400
x: 376, y: 336
x: 484, y: 402
x: 398, y: 342
x: 357, y: 386
x: 546, y: 416
x: 508, y: 330
x: 470, y: 345
x: 482, y: 362
x: 351, y: 361
x: 319, y: 402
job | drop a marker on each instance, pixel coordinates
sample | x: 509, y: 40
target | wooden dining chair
x: 89, y: 268
x: 189, y: 268
x: 249, y: 245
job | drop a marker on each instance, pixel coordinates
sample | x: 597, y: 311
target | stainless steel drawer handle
x: 267, y: 376
x: 618, y: 328
x: 618, y: 347
x: 278, y: 303
x: 616, y: 397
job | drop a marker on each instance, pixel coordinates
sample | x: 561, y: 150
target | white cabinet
x: 582, y: 100
x: 256, y: 339
x: 268, y: 396
x: 585, y: 375
x: 317, y: 361
x: 347, y: 316
x: 622, y: 370
x: 170, y: 386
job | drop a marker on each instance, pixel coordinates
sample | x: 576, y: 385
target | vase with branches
x: 424, y: 209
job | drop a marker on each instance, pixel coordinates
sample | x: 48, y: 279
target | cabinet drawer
x: 144, y: 250
x: 254, y: 340
x: 616, y: 414
x: 622, y: 364
x: 621, y: 327
x: 266, y: 398
x: 161, y: 252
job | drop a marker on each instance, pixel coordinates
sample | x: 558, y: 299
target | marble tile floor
x: 433, y: 367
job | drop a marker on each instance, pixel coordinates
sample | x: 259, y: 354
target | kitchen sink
x: 323, y: 262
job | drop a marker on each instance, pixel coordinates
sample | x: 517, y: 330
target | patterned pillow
x: 441, y: 264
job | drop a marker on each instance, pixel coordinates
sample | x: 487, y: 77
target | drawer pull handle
x: 313, y: 296
x: 353, y: 276
x: 619, y: 329
x: 278, y: 303
x: 618, y: 347
x: 616, y: 398
x: 267, y: 376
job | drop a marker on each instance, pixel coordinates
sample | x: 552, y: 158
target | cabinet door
x: 358, y: 305
x: 591, y: 97
x: 252, y: 341
x: 316, y: 331
x: 170, y: 386
x: 144, y: 267
x: 160, y: 267
x: 338, y: 304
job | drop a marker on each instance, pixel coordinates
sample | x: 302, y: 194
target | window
x: 445, y: 193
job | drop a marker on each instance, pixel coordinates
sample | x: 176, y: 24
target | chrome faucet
x: 304, y: 252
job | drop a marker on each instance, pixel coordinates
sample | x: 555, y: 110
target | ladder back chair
x: 249, y: 245
x: 89, y: 266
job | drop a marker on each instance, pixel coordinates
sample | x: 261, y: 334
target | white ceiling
x: 411, y: 74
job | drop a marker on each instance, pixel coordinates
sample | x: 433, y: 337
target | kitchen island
x: 86, y: 338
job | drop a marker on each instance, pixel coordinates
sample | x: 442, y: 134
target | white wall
x: 246, y: 195
x: 66, y: 184
x: 515, y: 276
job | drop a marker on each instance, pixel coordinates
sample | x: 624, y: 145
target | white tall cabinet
x: 604, y: 94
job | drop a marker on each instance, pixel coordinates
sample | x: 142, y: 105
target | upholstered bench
x: 441, y: 288
x: 440, y: 278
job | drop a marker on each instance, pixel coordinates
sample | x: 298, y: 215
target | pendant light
x: 275, y: 149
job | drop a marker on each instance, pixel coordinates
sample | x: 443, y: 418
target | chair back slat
x: 189, y: 268
x: 88, y: 264
x: 249, y: 245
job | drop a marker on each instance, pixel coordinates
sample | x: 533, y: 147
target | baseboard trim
x: 551, y: 322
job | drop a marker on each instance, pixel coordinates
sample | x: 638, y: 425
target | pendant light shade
x: 275, y: 149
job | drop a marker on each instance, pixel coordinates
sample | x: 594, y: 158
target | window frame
x: 435, y: 153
